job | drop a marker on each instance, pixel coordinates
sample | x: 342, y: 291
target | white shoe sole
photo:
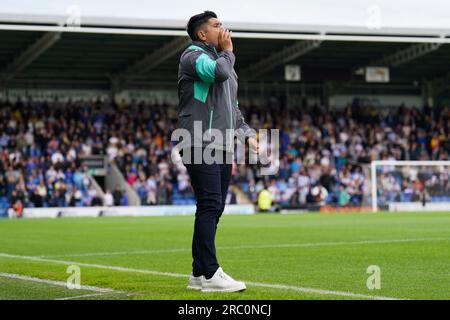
x: 194, y: 283
x: 233, y: 289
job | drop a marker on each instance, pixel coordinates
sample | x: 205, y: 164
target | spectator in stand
x: 163, y: 193
x: 117, y: 195
x: 108, y: 199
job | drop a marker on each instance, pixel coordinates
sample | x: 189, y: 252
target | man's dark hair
x: 196, y: 21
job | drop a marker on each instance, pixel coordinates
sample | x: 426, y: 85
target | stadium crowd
x: 325, y: 153
x: 322, y: 157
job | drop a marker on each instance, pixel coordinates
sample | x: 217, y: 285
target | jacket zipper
x: 229, y: 104
x: 231, y: 112
x: 211, y: 118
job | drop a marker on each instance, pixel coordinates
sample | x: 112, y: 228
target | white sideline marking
x: 53, y: 282
x: 263, y: 246
x: 179, y: 275
x: 100, y: 291
x: 319, y: 291
x: 82, y: 296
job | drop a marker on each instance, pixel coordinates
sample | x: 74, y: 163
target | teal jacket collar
x: 205, y: 46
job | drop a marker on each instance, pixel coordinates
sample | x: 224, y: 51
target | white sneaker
x: 195, y: 283
x: 221, y: 282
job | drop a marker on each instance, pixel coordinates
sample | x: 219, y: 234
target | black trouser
x: 210, y: 183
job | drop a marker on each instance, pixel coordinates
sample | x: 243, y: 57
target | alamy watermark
x: 72, y: 20
x: 374, y: 18
x: 374, y: 280
x: 74, y: 280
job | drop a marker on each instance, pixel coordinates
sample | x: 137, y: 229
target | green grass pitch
x: 295, y: 256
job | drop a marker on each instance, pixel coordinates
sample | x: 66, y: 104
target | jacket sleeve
x: 242, y: 128
x: 199, y: 66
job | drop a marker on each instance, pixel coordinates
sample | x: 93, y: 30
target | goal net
x: 410, y: 185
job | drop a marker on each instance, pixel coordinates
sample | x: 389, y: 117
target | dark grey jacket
x: 207, y: 92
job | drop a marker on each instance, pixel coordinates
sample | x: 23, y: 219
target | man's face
x: 209, y: 32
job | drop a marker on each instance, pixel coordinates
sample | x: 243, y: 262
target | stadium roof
x: 114, y: 45
x: 102, y: 60
x: 406, y: 17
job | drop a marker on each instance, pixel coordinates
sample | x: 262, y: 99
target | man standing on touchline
x: 207, y: 91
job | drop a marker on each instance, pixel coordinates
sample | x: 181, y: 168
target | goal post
x: 413, y: 183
